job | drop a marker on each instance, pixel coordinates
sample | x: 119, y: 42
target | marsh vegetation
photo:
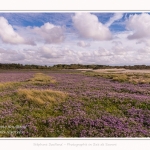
x: 67, y: 103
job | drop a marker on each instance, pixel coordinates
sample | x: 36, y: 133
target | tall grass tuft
x: 9, y: 85
x: 42, y: 96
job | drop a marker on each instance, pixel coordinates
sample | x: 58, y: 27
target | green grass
x: 111, y: 106
x: 102, y: 105
x: 111, y: 70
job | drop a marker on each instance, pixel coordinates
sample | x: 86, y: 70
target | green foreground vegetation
x: 39, y: 103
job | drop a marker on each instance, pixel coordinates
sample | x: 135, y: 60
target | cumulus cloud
x: 145, y: 50
x: 7, y: 51
x: 46, y: 55
x: 88, y: 26
x: 144, y: 41
x: 119, y: 50
x: 11, y: 55
x: 83, y: 44
x: 116, y: 43
x: 2, y: 51
x: 140, y: 25
x: 17, y: 57
x: 50, y: 52
x: 116, y: 16
x: 50, y: 33
x: 102, y: 52
x: 9, y: 35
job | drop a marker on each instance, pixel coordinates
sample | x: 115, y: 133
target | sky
x: 75, y: 38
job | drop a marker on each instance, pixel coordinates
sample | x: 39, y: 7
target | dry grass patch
x: 42, y: 96
x: 41, y: 79
x: 140, y: 78
x: 8, y: 85
x: 135, y: 78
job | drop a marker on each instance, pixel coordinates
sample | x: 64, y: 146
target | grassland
x: 134, y: 78
x: 74, y: 104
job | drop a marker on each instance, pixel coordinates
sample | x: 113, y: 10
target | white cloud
x: 83, y: 44
x: 117, y: 43
x: 50, y: 52
x: 9, y: 35
x: 116, y: 17
x: 119, y: 48
x: 88, y: 26
x: 17, y: 57
x: 121, y: 39
x: 144, y: 41
x: 140, y: 25
x: 102, y: 52
x: 10, y: 55
x: 50, y: 33
x: 145, y: 50
x: 96, y: 50
x: 3, y: 51
x: 46, y: 55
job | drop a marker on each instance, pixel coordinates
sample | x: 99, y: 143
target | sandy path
x: 116, y: 70
x: 121, y: 71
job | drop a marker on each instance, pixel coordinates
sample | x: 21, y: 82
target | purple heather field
x: 95, y: 107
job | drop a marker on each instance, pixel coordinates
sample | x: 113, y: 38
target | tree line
x: 68, y: 66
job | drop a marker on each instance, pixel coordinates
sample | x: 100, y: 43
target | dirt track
x: 117, y: 70
x: 121, y: 71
